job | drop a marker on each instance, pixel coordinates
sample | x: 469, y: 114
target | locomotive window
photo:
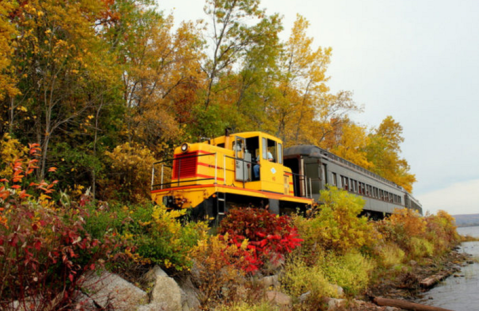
x: 280, y: 154
x: 252, y: 147
x: 269, y: 146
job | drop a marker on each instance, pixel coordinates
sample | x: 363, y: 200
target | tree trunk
x: 406, y: 305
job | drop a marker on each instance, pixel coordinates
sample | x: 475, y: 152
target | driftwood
x: 406, y: 305
x: 430, y: 281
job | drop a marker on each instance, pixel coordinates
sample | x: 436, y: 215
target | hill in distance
x: 467, y: 220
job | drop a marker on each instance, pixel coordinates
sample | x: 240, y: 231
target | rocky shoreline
x: 403, y: 285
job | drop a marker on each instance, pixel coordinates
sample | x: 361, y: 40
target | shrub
x: 299, y: 278
x: 154, y: 233
x: 389, y: 254
x: 44, y: 250
x: 220, y: 268
x: 351, y: 271
x: 421, y: 247
x: 131, y: 166
x: 441, y: 231
x: 244, y: 306
x: 336, y: 227
x: 270, y: 236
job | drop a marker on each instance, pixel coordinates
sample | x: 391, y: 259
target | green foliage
x: 299, y: 278
x: 351, y: 271
x: 389, y: 254
x: 155, y: 234
x: 244, y: 306
x: 421, y: 247
x: 336, y: 226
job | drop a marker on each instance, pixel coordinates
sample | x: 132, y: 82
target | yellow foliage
x: 132, y: 169
x: 7, y: 33
x: 299, y: 278
x: 351, y: 270
x: 412, y: 222
x: 390, y: 254
x: 220, y: 269
x: 10, y: 150
x: 336, y: 227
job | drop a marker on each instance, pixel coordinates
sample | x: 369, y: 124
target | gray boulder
x: 111, y: 291
x: 270, y: 282
x: 166, y: 292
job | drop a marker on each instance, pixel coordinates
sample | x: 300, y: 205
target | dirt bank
x: 404, y: 282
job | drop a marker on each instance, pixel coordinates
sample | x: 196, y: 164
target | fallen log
x: 406, y: 305
x: 430, y: 281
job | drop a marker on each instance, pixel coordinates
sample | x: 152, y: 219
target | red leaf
x: 52, y: 169
x: 38, y: 245
x: 13, y: 242
x: 71, y: 277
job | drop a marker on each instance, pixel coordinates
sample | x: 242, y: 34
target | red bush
x: 44, y: 250
x: 270, y: 236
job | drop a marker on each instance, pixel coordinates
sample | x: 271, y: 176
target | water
x: 459, y: 293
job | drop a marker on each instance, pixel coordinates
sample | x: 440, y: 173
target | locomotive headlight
x: 184, y: 147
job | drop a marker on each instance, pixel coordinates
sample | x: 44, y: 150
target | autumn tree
x: 58, y: 59
x: 383, y: 151
x: 302, y: 83
x: 8, y: 88
x: 249, y: 92
x: 231, y: 35
x: 350, y: 143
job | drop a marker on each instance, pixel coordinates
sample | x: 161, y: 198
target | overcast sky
x: 416, y: 60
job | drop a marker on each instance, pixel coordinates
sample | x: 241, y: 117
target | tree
x: 351, y: 144
x: 231, y: 35
x: 59, y: 61
x: 384, y: 151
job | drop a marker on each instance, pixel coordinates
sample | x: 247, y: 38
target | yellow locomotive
x: 239, y: 169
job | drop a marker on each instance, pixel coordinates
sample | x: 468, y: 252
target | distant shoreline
x: 467, y: 220
x: 467, y: 225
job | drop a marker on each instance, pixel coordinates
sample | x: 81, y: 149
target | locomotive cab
x: 231, y: 170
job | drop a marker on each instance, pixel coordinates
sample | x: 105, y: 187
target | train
x: 318, y: 168
x: 253, y: 169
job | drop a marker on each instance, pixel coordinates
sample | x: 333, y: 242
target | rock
x: 192, y: 293
x: 339, y: 291
x: 167, y: 292
x: 278, y: 298
x: 156, y: 271
x: 334, y: 304
x: 304, y: 297
x: 269, y: 282
x: 153, y: 307
x: 111, y: 291
x: 84, y: 303
x: 413, y: 263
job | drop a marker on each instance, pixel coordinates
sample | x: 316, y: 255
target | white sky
x: 416, y: 60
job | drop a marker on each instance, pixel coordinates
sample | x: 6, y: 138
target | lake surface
x: 459, y: 293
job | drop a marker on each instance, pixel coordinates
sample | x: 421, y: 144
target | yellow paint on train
x: 226, y: 166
